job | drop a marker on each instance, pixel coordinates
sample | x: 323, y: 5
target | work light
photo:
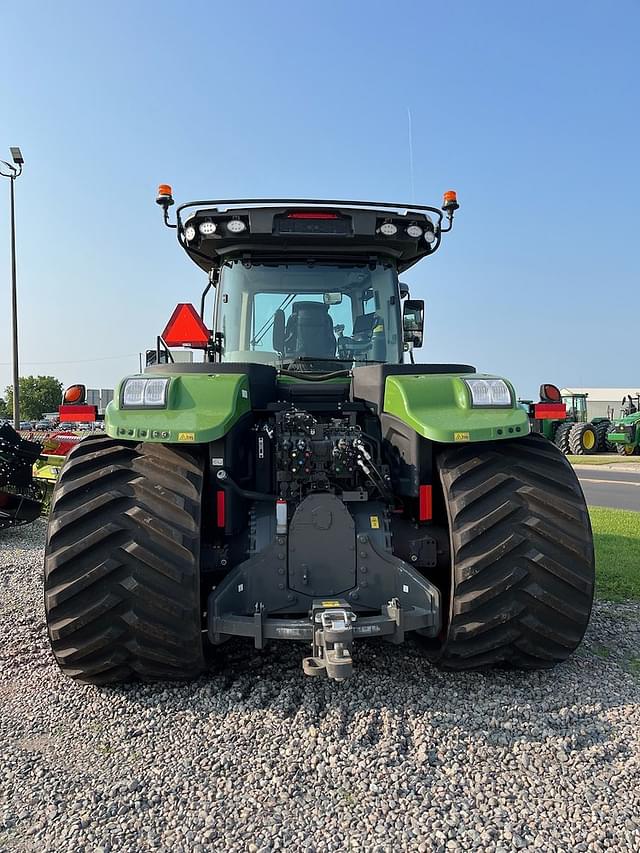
x: 429, y: 236
x: 189, y: 233
x: 388, y: 229
x: 207, y: 228
x: 489, y: 392
x: 414, y: 231
x: 143, y: 393
x: 236, y: 226
x: 133, y: 393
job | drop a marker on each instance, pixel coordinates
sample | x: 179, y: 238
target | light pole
x: 13, y: 171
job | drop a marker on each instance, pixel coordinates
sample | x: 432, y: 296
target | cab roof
x: 285, y: 229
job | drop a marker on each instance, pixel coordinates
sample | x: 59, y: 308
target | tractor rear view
x: 302, y: 482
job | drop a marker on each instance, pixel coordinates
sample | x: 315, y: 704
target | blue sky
x: 530, y: 111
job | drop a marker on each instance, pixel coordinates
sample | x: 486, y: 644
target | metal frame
x: 224, y: 205
x: 309, y: 202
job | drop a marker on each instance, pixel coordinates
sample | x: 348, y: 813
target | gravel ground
x: 256, y: 757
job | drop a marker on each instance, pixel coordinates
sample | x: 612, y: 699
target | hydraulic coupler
x: 332, y: 623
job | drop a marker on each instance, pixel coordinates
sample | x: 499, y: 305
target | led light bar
x: 143, y: 393
x: 489, y: 392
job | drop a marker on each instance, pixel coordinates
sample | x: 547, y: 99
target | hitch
x: 332, y: 623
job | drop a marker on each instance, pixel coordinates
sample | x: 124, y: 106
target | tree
x: 4, y: 411
x: 38, y: 394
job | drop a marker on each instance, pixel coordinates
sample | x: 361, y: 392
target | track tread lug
x: 522, y: 556
x: 122, y: 585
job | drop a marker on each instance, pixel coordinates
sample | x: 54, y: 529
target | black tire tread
x: 576, y: 445
x: 122, y: 584
x: 622, y: 450
x: 561, y: 437
x: 602, y: 428
x: 522, y: 556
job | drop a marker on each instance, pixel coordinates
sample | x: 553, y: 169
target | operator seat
x: 309, y: 331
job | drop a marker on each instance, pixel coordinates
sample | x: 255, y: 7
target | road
x: 616, y: 489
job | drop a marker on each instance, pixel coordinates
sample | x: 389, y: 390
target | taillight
x: 220, y: 508
x: 425, y: 500
x: 312, y: 214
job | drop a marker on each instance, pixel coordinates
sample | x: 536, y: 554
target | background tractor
x: 564, y: 421
x: 584, y: 436
x: 302, y: 482
x: 624, y: 433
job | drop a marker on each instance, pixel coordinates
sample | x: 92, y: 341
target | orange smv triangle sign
x: 185, y: 328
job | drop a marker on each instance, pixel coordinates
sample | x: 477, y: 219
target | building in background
x: 99, y: 397
x: 600, y: 401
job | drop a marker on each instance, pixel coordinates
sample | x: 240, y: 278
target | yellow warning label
x: 375, y: 522
x: 330, y: 603
x: 461, y: 436
x: 186, y: 436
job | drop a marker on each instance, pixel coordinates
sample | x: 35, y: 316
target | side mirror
x: 278, y: 331
x: 404, y: 289
x: 413, y: 322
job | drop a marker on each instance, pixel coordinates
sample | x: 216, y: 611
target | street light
x: 13, y: 171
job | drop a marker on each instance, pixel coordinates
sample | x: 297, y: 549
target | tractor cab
x: 576, y: 408
x: 306, y: 315
x: 630, y: 405
x: 310, y: 286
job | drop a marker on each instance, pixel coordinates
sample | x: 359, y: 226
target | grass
x: 604, y: 459
x: 616, y: 533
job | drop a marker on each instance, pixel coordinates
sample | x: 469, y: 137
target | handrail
x: 263, y: 202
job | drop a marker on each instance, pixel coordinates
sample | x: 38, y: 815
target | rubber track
x: 522, y: 556
x: 122, y: 563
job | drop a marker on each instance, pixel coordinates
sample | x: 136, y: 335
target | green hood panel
x: 438, y: 407
x: 201, y: 407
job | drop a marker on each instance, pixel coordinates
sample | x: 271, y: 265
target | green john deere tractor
x: 624, y: 433
x: 302, y: 482
x: 579, y: 434
x: 570, y: 429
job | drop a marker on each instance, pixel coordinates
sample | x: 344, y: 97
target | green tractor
x: 624, y: 433
x: 571, y: 430
x: 302, y: 482
x: 576, y: 434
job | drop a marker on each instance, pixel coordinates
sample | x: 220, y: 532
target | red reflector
x: 426, y: 503
x: 311, y: 214
x: 185, y: 328
x: 549, y: 411
x: 220, y: 507
x: 77, y: 414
